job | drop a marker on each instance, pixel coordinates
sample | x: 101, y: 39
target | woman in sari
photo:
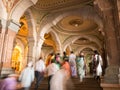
x: 81, y: 66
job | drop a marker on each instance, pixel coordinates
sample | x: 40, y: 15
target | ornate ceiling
x: 77, y: 25
x: 58, y: 4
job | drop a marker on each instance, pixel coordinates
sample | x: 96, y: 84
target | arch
x: 83, y: 47
x: 31, y: 24
x: 41, y: 39
x: 74, y: 38
x: 45, y: 29
x: 86, y: 12
x: 32, y: 36
x: 89, y: 14
x: 18, y: 8
x: 57, y: 40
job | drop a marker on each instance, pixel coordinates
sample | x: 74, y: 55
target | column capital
x: 15, y: 26
x: 12, y: 25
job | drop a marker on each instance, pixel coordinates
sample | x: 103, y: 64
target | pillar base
x: 110, y: 80
x: 110, y: 86
x: 111, y: 75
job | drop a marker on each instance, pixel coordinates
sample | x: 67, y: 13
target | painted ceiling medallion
x: 76, y: 22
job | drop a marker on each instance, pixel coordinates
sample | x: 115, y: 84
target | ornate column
x: 110, y: 80
x: 31, y: 49
x: 39, y: 46
x: 110, y: 18
x: 8, y: 36
x: 2, y: 33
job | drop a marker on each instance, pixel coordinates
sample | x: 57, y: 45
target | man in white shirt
x: 51, y: 70
x: 39, y: 72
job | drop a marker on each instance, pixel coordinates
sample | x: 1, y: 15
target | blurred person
x: 58, y: 59
x: 9, y: 83
x: 61, y: 79
x: 39, y: 72
x: 65, y: 55
x: 81, y: 66
x: 65, y: 65
x: 72, y: 61
x: 97, y: 62
x: 51, y: 69
x: 27, y: 76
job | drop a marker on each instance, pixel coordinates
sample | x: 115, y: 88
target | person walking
x: 97, y: 62
x: 51, y: 69
x: 65, y: 55
x: 39, y: 72
x: 27, y: 76
x: 61, y: 79
x: 9, y: 83
x: 81, y: 66
x: 72, y: 61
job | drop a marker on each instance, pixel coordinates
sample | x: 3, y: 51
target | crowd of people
x: 59, y: 69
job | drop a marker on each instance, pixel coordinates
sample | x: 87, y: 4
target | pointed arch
x: 83, y: 47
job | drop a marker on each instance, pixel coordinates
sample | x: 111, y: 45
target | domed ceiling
x: 76, y: 24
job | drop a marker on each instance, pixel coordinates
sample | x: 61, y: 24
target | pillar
x: 112, y: 47
x: 109, y: 14
x: 2, y: 33
x: 108, y: 10
x: 9, y: 30
x: 40, y: 41
x: 31, y: 49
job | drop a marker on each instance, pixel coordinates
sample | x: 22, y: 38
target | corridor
x: 30, y: 29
